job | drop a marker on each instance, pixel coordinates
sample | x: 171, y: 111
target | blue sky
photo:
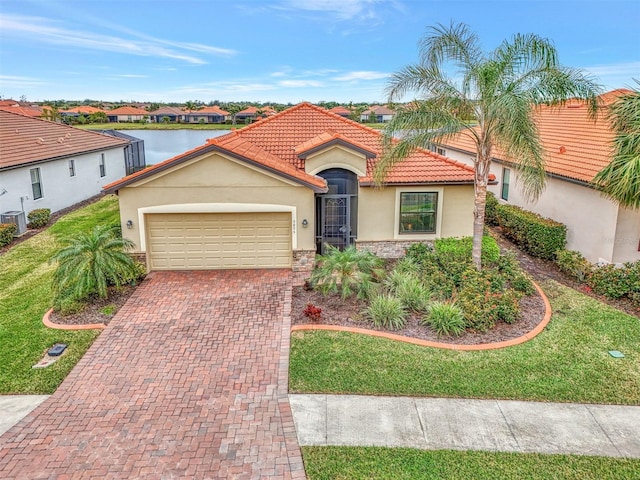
x: 278, y: 50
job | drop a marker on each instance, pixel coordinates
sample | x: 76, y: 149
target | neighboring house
x: 382, y: 114
x: 84, y: 110
x: 25, y: 110
x: 127, y: 114
x: 342, y: 111
x: 171, y: 114
x: 211, y: 114
x: 134, y: 158
x: 251, y: 114
x: 275, y: 193
x: 50, y: 165
x: 576, y: 148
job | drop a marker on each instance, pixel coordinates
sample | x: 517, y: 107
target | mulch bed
x: 92, y: 314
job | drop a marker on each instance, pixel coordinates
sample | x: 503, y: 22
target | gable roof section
x: 167, y: 111
x: 327, y: 139
x: 215, y: 109
x: 127, y: 110
x: 28, y: 140
x: 85, y: 109
x: 575, y: 146
x: 276, y: 143
x: 24, y: 111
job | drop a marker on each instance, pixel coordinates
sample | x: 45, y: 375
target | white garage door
x: 198, y: 241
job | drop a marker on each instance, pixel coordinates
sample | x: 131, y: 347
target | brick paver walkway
x: 189, y: 380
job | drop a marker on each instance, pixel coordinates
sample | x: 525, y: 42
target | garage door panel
x: 219, y: 240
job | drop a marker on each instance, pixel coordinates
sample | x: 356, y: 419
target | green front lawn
x: 401, y: 463
x: 567, y: 362
x: 25, y: 295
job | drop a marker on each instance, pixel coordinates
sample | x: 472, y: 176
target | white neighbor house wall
x: 59, y: 189
x: 596, y: 226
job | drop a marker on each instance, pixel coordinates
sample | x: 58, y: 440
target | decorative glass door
x: 336, y: 211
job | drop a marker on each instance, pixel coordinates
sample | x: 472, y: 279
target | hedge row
x: 39, y: 217
x: 536, y: 235
x: 7, y: 231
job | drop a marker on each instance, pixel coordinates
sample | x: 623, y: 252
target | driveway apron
x: 189, y: 380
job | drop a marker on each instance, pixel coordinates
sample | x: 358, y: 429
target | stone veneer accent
x: 303, y: 260
x: 387, y: 248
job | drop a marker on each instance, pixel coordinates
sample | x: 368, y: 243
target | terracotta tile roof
x: 328, y: 137
x: 340, y: 110
x: 127, y: 111
x: 277, y: 141
x: 378, y: 110
x: 86, y: 109
x: 25, y: 140
x: 575, y: 146
x: 215, y: 109
x: 25, y: 111
x: 253, y: 110
x: 168, y: 111
x: 9, y: 103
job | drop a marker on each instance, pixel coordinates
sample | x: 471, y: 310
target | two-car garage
x: 198, y: 241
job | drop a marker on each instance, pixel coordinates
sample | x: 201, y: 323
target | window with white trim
x: 506, y: 178
x: 36, y: 183
x: 103, y: 167
x: 418, y: 212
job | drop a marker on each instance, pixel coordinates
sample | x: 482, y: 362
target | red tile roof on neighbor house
x: 127, y: 111
x: 215, y: 109
x: 277, y: 142
x: 575, y: 146
x: 25, y: 111
x: 85, y: 109
x: 26, y: 140
x: 340, y: 110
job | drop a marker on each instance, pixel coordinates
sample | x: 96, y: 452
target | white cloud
x: 343, y: 9
x: 361, y: 75
x: 42, y: 30
x: 300, y: 83
x: 14, y: 81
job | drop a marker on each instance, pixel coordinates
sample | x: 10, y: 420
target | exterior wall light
x: 129, y: 224
x: 305, y: 224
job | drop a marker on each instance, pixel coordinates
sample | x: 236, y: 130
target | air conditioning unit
x: 17, y: 218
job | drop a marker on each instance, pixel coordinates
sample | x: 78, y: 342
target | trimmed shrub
x: 386, y: 311
x: 39, y: 217
x: 419, y: 252
x: 539, y: 236
x: 490, y: 210
x: 445, y: 319
x: 7, y: 231
x: 610, y: 281
x: 574, y: 264
x: 460, y: 249
x: 521, y: 282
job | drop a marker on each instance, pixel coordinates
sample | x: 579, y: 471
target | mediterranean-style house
x: 51, y: 165
x: 251, y: 114
x: 381, y: 113
x: 127, y: 114
x: 576, y: 148
x: 169, y: 114
x: 210, y: 114
x: 275, y: 193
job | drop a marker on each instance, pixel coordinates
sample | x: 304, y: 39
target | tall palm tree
x: 91, y: 262
x: 620, y: 180
x: 490, y: 97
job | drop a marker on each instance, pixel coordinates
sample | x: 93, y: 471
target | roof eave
x: 336, y: 141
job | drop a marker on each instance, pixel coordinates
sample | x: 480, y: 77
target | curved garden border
x: 89, y: 326
x: 450, y: 346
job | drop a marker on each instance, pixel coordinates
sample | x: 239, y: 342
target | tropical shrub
x: 539, y: 236
x: 347, y: 272
x: 39, y: 217
x: 89, y: 263
x: 521, y: 282
x: 386, y: 311
x: 573, y: 264
x: 7, y: 231
x: 413, y: 294
x: 611, y: 281
x: 312, y: 312
x: 490, y: 209
x: 445, y: 319
x: 459, y: 249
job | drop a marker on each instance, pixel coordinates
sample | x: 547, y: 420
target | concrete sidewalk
x: 447, y: 423
x: 14, y: 408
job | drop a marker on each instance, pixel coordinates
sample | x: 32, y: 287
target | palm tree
x: 620, y: 180
x: 91, y: 262
x: 491, y: 98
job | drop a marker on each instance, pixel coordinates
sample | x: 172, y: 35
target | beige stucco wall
x: 212, y: 183
x: 378, y: 212
x: 625, y: 247
x: 595, y: 227
x: 336, y: 157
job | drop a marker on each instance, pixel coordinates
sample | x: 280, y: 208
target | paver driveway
x: 189, y: 380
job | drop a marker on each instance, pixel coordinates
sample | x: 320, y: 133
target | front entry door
x: 335, y: 221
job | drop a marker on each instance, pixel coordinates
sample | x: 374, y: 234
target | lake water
x: 160, y: 145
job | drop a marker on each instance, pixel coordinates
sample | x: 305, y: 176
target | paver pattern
x: 189, y: 380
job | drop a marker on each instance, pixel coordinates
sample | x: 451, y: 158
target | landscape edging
x: 89, y: 326
x: 449, y: 346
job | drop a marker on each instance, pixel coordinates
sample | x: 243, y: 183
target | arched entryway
x: 337, y: 210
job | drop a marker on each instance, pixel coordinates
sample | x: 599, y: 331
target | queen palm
x: 90, y: 262
x: 490, y: 97
x: 620, y: 180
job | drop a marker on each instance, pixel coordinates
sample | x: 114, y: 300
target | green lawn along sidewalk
x: 376, y: 463
x: 25, y: 295
x: 567, y: 362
